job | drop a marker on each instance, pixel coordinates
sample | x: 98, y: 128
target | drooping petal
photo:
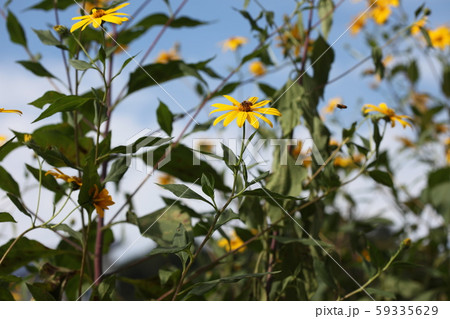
x: 263, y: 118
x: 80, y: 24
x: 225, y: 108
x: 232, y: 100
x: 242, y: 116
x: 269, y: 111
x: 253, y: 99
x: 221, y: 105
x: 96, y: 23
x: 117, y: 8
x: 259, y: 104
x: 231, y: 116
x: 252, y: 120
x: 220, y: 118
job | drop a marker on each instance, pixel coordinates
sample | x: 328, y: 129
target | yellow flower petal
x: 253, y: 120
x: 253, y: 99
x: 223, y: 108
x: 220, y: 118
x: 232, y: 100
x: 242, y: 116
x: 118, y: 7
x: 231, y: 116
x: 263, y: 118
x: 262, y: 103
x: 269, y: 111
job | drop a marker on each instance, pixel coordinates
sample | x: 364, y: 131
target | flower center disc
x: 246, y: 106
x: 97, y: 13
x: 390, y: 112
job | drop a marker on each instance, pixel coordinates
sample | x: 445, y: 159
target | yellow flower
x: 257, y: 68
x: 27, y: 138
x: 2, y: 110
x: 3, y: 138
x: 380, y: 12
x: 331, y: 106
x: 166, y: 179
x: 291, y: 38
x: 358, y: 23
x: 440, y: 37
x: 388, y: 112
x: 101, y: 200
x: 234, y: 43
x: 441, y: 128
x: 61, y: 175
x: 415, y: 28
x: 247, y: 110
x: 97, y: 17
x: 333, y: 142
x: 234, y: 243
x: 167, y: 56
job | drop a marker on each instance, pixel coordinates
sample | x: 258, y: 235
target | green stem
x: 39, y: 192
x: 59, y: 211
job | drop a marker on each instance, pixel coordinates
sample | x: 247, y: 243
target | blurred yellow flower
x: 61, y: 175
x: 365, y: 254
x: 415, y: 28
x: 166, y: 179
x: 406, y: 142
x: 333, y: 142
x: 388, y: 112
x: 441, y: 128
x: 167, y: 56
x: 380, y: 13
x: 358, y: 23
x: 2, y: 110
x: 440, y: 37
x: 447, y: 146
x: 331, y: 106
x: 348, y: 161
x: 3, y: 138
x: 291, y: 38
x: 101, y: 200
x: 98, y: 16
x: 247, y: 110
x: 234, y: 243
x: 234, y: 43
x: 27, y: 138
x: 297, y: 151
x: 89, y: 5
x: 257, y: 68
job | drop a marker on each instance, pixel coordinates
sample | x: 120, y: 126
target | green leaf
x: 24, y: 251
x: 118, y: 169
x: 182, y: 191
x: 64, y: 104
x: 382, y: 177
x: 267, y: 90
x: 268, y: 194
x: 168, y: 250
x: 7, y: 183
x: 165, y: 118
x: 48, y: 5
x: 66, y: 228
x: 325, y: 10
x: 123, y: 66
x: 49, y: 97
x: 16, y: 201
x: 322, y: 57
x: 225, y: 217
x: 208, y: 185
x: 153, y: 74
x: 6, y: 218
x: 47, y: 38
x: 8, y: 147
x: 36, y: 68
x: 227, y: 89
x: 80, y: 64
x: 202, y: 288
x: 15, y: 30
x: 90, y: 178
x: 446, y: 81
x: 229, y: 157
x: 377, y: 57
x: 41, y: 291
x: 161, y: 225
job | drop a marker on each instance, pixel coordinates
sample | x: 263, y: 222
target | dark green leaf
x: 66, y: 228
x: 50, y: 4
x: 208, y: 185
x: 24, y: 252
x: 165, y: 118
x: 7, y: 182
x: 36, y: 68
x: 322, y: 57
x: 268, y: 194
x: 225, y: 217
x: 118, y: 169
x: 49, y: 97
x: 15, y: 30
x: 64, y: 104
x: 182, y: 191
x: 6, y: 217
x: 381, y: 177
x: 40, y: 291
x: 16, y: 201
x: 446, y: 81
